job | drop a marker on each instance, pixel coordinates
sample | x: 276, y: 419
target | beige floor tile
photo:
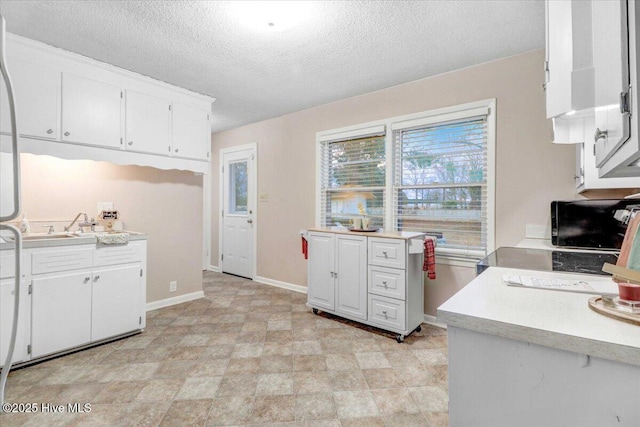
x: 311, y: 382
x: 382, y: 378
x: 187, y: 413
x: 341, y: 362
x: 430, y: 399
x: 347, y: 380
x: 159, y: 390
x: 273, y: 409
x: 230, y: 410
x: 396, y: 401
x: 274, y: 384
x: 309, y: 363
x: 318, y: 406
x: 199, y: 388
x: 238, y: 385
x: 355, y: 404
x: 372, y: 360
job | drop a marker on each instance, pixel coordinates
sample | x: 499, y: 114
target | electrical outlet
x: 173, y: 286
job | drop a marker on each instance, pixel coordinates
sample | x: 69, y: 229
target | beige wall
x: 167, y: 205
x: 530, y: 173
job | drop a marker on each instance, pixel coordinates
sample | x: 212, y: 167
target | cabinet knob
x: 130, y: 143
x: 67, y: 133
x: 49, y: 131
x: 600, y: 134
x: 96, y: 278
x: 385, y: 254
x: 86, y: 279
x: 176, y: 150
x: 385, y: 284
x: 384, y: 312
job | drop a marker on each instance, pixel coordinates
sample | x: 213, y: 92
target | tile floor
x: 246, y: 354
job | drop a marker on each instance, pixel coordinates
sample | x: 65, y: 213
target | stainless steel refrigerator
x: 9, y: 211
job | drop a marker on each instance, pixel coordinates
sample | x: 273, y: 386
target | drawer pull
x: 385, y: 254
x: 384, y: 283
x: 87, y: 279
x: 385, y: 313
x: 49, y: 131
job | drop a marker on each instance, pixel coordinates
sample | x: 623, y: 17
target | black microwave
x: 594, y: 224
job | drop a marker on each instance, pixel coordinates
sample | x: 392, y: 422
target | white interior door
x: 238, y: 215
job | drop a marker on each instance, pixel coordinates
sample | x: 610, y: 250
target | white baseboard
x: 279, y: 284
x: 214, y: 268
x: 431, y: 320
x: 174, y: 300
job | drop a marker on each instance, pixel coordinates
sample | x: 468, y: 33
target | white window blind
x: 440, y: 183
x: 352, y: 176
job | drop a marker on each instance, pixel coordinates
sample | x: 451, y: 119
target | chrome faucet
x: 85, y: 223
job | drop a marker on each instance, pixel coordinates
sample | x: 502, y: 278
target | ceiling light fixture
x: 271, y: 15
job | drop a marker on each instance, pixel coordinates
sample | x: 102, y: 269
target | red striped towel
x: 429, y: 257
x: 305, y: 248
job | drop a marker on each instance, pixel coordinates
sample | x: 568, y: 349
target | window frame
x: 439, y: 115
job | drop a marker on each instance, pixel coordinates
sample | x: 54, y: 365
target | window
x: 353, y: 177
x: 440, y: 182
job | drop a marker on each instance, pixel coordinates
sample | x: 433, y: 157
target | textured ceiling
x: 340, y: 49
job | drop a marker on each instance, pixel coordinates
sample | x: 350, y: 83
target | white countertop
x: 555, y: 319
x: 81, y: 239
x: 380, y: 233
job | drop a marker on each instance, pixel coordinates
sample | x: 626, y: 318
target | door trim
x: 254, y: 183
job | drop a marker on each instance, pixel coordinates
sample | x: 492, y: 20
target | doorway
x: 237, y: 217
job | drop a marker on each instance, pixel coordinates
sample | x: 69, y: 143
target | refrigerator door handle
x: 14, y: 131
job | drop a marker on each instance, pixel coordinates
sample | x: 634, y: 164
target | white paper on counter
x: 591, y: 286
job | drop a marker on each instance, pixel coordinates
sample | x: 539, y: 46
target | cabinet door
x: 191, y: 132
x: 61, y: 312
x: 147, y: 123
x: 320, y: 286
x: 611, y: 63
x: 37, y: 96
x: 7, y: 294
x: 351, y: 280
x: 91, y: 112
x: 115, y: 304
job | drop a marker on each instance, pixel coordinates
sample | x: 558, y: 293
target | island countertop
x: 550, y: 318
x: 406, y: 235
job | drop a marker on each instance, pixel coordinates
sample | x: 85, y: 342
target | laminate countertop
x: 550, y: 318
x: 379, y: 233
x: 64, y: 239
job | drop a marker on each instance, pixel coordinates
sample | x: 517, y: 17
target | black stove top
x: 548, y: 260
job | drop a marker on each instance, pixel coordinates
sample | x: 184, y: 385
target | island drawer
x: 387, y: 252
x: 385, y: 281
x: 387, y: 312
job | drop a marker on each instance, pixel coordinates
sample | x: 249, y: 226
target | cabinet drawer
x: 61, y: 260
x: 387, y: 252
x: 386, y: 312
x: 388, y: 282
x: 110, y: 255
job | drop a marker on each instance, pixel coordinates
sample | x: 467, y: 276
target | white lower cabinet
x: 115, y: 303
x: 7, y: 304
x: 373, y: 280
x: 73, y: 296
x: 61, y: 312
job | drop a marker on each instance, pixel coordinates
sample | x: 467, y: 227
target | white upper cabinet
x: 148, y: 120
x: 611, y: 58
x: 37, y: 96
x: 91, y: 112
x: 191, y: 132
x: 569, y: 61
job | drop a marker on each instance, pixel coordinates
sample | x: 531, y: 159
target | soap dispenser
x: 24, y: 224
